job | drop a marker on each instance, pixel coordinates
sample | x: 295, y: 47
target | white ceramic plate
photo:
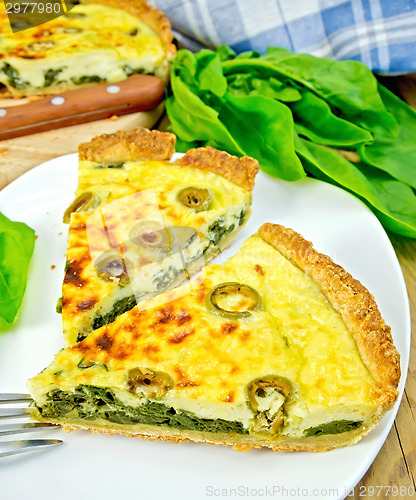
x: 109, y: 467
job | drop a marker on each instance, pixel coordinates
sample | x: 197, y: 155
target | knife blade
x: 136, y: 93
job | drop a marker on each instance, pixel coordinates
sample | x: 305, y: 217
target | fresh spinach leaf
x: 314, y: 119
x: 17, y: 242
x: 265, y: 133
x: 255, y: 84
x: 392, y: 201
x: 395, y: 155
x: 242, y: 125
x: 209, y: 74
x: 193, y: 120
x: 281, y: 108
x: 348, y: 86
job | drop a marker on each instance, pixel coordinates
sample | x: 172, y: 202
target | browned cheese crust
x: 242, y: 171
x: 122, y: 146
x: 148, y: 14
x: 351, y: 300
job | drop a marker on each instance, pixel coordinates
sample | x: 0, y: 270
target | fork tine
x: 14, y: 398
x: 14, y: 412
x: 14, y: 447
x: 8, y: 429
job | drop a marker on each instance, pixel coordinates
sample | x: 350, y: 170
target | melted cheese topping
x: 89, y: 44
x: 84, y: 293
x: 211, y: 359
x: 166, y: 179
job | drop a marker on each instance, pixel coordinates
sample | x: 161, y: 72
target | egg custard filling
x: 96, y: 41
x: 142, y: 224
x: 278, y: 347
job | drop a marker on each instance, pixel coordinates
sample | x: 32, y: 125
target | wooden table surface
x: 395, y: 465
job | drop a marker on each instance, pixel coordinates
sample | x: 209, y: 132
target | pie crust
x: 154, y: 145
x: 122, y: 146
x: 352, y: 300
x: 241, y: 171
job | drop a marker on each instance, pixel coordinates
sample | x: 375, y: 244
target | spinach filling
x: 120, y: 306
x: 87, y: 79
x: 335, y: 427
x: 51, y: 76
x: 166, y: 277
x: 162, y: 279
x: 135, y: 71
x: 13, y: 76
x: 219, y: 229
x: 98, y: 79
x: 90, y: 403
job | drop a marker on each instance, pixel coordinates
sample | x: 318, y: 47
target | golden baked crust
x: 239, y: 442
x: 352, y: 300
x: 121, y: 146
x: 148, y: 14
x: 142, y: 143
x: 242, y: 171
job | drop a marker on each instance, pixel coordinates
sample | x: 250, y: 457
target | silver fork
x: 13, y: 447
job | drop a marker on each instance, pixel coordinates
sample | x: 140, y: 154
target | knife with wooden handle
x: 136, y: 93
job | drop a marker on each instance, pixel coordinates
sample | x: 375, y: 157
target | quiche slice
x: 279, y: 348
x: 142, y: 224
x: 96, y: 41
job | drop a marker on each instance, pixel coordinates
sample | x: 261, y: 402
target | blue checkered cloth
x: 379, y: 33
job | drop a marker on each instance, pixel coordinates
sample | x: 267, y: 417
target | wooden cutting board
x: 19, y: 155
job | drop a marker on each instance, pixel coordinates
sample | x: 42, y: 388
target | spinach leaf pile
x: 301, y: 115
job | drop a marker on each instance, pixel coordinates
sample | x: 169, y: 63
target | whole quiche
x: 96, y: 41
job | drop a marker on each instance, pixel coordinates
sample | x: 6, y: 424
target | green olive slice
x: 150, y: 234
x: 249, y: 300
x: 197, y: 198
x: 112, y: 266
x: 151, y: 383
x: 266, y: 398
x: 258, y: 388
x: 83, y: 203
